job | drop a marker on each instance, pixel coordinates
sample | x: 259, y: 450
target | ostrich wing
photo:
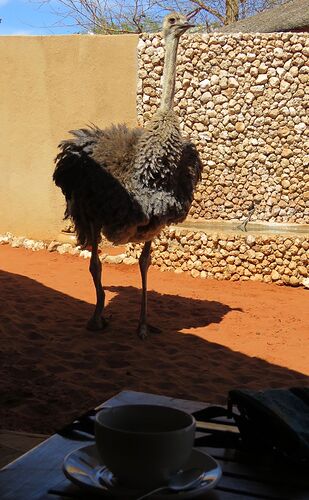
x: 113, y: 149
x: 93, y: 169
x: 189, y: 173
x: 116, y: 150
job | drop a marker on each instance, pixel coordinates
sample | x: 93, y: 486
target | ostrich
x: 127, y: 184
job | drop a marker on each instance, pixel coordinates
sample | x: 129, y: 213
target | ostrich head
x: 174, y: 25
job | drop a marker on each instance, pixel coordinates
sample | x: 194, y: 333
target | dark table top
x: 38, y: 475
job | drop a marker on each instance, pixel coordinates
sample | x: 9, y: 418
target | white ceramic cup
x: 143, y: 445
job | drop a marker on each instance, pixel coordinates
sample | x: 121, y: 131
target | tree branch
x: 210, y: 10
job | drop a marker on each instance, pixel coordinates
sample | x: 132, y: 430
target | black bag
x: 274, y: 420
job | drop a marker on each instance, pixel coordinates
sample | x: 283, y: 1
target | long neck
x: 169, y: 74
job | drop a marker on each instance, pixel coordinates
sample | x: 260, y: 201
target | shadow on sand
x: 53, y: 369
x: 170, y: 313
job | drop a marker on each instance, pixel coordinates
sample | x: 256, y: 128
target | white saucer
x: 84, y: 468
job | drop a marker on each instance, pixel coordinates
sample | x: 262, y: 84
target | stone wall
x: 282, y: 259
x: 242, y: 99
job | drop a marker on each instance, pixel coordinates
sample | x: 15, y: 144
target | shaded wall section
x: 49, y: 85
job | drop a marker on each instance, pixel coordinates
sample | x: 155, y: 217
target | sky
x: 27, y: 17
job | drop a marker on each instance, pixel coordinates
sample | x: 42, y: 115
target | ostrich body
x: 129, y: 183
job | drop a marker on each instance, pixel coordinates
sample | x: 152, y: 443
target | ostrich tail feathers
x: 69, y: 161
x: 72, y: 164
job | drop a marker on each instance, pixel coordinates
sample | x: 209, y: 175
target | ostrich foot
x: 154, y: 329
x: 143, y: 330
x: 97, y: 323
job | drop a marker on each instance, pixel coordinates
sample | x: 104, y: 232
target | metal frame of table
x: 38, y: 475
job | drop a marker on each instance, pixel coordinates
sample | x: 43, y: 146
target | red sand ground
x: 216, y: 335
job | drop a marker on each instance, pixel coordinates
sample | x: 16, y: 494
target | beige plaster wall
x: 49, y: 85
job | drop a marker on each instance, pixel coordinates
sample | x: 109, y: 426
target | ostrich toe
x: 97, y: 323
x: 143, y: 330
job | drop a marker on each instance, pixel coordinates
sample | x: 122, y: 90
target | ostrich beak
x: 188, y: 25
x: 185, y: 26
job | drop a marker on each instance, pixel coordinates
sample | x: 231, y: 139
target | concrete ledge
x: 233, y: 226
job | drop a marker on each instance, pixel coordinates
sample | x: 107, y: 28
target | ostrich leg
x: 144, y: 263
x: 96, y: 322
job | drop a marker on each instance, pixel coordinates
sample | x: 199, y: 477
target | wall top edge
x: 217, y: 35
x: 68, y: 36
x: 223, y: 36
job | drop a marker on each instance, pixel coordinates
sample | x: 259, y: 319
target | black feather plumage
x: 96, y: 172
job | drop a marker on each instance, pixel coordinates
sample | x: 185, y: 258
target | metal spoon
x: 183, y: 480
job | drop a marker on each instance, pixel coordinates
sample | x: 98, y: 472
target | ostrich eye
x: 172, y: 20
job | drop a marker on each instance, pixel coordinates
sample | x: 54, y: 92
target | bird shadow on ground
x: 52, y: 369
x: 170, y: 313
